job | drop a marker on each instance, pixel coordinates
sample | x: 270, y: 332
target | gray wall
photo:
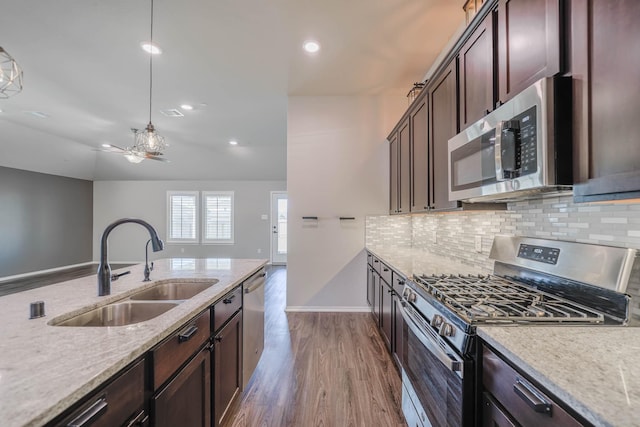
x: 147, y: 200
x: 46, y: 221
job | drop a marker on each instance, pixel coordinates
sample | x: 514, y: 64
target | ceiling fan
x: 135, y: 153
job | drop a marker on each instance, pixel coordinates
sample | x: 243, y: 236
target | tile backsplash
x: 455, y: 234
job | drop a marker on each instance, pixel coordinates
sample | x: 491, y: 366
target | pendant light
x: 10, y: 75
x: 147, y: 141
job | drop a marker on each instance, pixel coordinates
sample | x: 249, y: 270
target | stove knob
x: 437, y: 321
x: 447, y: 330
x: 412, y: 297
x: 406, y: 292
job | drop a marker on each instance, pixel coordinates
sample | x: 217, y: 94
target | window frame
x: 204, y: 239
x: 196, y: 239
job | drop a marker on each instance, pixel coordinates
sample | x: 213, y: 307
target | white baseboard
x: 50, y: 270
x: 312, y: 309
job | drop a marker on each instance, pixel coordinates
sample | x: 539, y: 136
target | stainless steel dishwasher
x: 252, y: 323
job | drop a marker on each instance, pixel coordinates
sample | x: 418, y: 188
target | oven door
x: 436, y: 379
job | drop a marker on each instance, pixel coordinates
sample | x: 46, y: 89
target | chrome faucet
x: 104, y: 271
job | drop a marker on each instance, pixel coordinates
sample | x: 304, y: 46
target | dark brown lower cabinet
x: 514, y: 399
x: 120, y: 402
x: 386, y: 307
x: 227, y: 367
x: 186, y: 400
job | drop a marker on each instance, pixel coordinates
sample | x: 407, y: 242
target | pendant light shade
x: 10, y: 75
x: 148, y: 143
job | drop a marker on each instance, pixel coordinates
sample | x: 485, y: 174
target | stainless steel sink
x: 119, y: 314
x: 173, y: 291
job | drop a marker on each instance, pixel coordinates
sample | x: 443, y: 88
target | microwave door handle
x: 500, y: 175
x: 429, y: 343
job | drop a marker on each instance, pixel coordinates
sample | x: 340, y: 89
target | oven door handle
x: 448, y: 360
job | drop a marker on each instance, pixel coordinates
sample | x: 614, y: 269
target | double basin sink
x: 139, y: 307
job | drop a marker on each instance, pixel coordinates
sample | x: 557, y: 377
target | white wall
x: 147, y: 200
x: 337, y: 165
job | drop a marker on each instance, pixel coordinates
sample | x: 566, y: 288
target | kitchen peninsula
x: 46, y: 369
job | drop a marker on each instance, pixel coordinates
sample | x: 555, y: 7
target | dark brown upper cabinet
x: 400, y: 169
x: 514, y: 45
x: 606, y: 70
x: 529, y: 44
x: 443, y: 124
x: 393, y: 173
x: 477, y: 75
x: 419, y: 157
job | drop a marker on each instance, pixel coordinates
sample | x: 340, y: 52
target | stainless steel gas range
x: 535, y: 281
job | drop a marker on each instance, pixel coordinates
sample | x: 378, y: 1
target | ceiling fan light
x: 149, y: 141
x: 10, y: 75
x: 133, y: 157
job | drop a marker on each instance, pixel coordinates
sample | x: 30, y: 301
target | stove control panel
x: 539, y: 253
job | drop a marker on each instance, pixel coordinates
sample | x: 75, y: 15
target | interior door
x: 278, y: 227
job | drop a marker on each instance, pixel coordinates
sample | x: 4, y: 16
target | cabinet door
x: 493, y: 415
x: 398, y: 321
x: 443, y: 125
x: 375, y: 285
x: 605, y: 69
x: 419, y: 157
x: 227, y: 367
x: 393, y: 174
x: 477, y: 74
x: 528, y: 44
x: 386, y: 304
x: 186, y: 400
x: 369, y: 286
x: 404, y: 168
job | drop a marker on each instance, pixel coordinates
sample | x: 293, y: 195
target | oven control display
x: 539, y: 253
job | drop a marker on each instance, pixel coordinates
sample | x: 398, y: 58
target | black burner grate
x: 479, y: 299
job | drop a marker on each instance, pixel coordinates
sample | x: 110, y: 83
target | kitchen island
x: 45, y: 369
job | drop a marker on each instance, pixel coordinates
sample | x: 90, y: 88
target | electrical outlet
x: 181, y: 250
x: 259, y: 251
x: 264, y: 217
x: 478, y: 243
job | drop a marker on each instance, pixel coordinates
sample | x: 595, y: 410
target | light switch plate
x: 264, y: 217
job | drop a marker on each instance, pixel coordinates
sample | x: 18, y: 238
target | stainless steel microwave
x: 521, y: 149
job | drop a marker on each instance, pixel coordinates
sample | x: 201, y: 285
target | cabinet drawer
x: 173, y: 352
x: 386, y: 273
x: 114, y: 404
x: 369, y: 259
x: 377, y: 265
x: 519, y: 396
x: 226, y: 307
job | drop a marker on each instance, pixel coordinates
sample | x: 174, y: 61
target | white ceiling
x: 84, y: 68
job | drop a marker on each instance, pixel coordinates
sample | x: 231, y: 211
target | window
x: 217, y: 214
x: 182, y: 216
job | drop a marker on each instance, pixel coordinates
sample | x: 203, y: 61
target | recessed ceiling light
x: 311, y: 46
x: 186, y: 107
x: 1, y: 110
x: 153, y: 49
x: 106, y: 145
x: 233, y: 142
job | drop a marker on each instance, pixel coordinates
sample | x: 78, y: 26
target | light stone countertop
x: 413, y: 261
x: 594, y: 370
x: 44, y: 369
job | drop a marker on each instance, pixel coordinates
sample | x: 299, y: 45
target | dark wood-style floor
x: 319, y: 369
x: 38, y: 280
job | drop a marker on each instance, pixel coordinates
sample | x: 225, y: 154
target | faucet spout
x: 104, y: 270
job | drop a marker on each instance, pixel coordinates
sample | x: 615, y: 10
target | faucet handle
x: 115, y: 277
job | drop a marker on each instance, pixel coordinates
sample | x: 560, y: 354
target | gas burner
x: 480, y: 299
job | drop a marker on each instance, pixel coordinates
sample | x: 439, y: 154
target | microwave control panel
x: 523, y: 138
